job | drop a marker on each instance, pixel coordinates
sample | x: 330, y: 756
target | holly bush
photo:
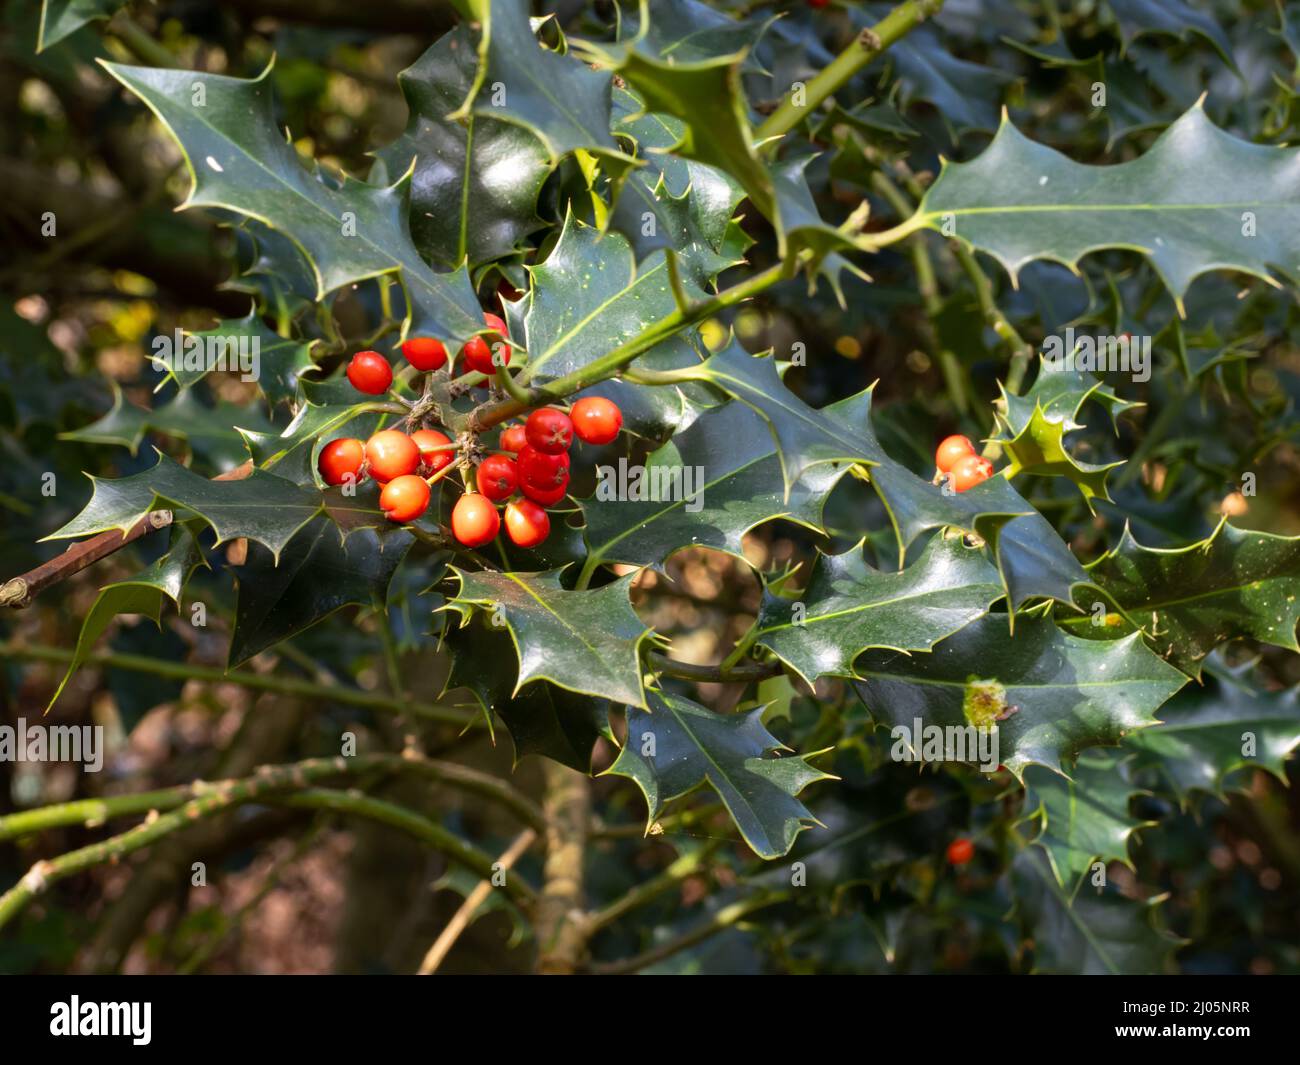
x: 893, y: 412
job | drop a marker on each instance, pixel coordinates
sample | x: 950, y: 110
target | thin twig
x: 461, y: 918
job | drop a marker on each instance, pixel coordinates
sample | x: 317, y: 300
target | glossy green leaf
x: 277, y: 362
x: 262, y: 507
x: 1089, y: 935
x: 590, y: 296
x: 542, y: 719
x: 1176, y: 17
x: 348, y: 231
x: 716, y: 480
x: 1030, y: 555
x: 1084, y: 817
x: 706, y: 96
x: 62, y: 18
x: 848, y: 607
x: 687, y: 31
x: 679, y: 745
x: 586, y: 641
x: 693, y: 222
x: 210, y: 431
x: 1190, y: 600
x: 1050, y: 695
x: 1228, y: 722
x: 317, y: 573
x: 554, y: 96
x: 476, y: 181
x: 142, y: 594
x: 1199, y: 200
x: 1032, y: 428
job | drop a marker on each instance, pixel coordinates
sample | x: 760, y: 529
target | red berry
x: 549, y: 430
x: 431, y: 461
x: 392, y: 454
x: 960, y: 851
x: 527, y: 524
x: 539, y: 470
x: 497, y: 477
x: 970, y: 471
x: 425, y: 353
x: 340, y: 460
x: 370, y: 373
x: 950, y: 449
x: 596, y: 420
x: 819, y: 3
x: 482, y: 352
x: 404, y: 498
x: 514, y: 439
x: 547, y: 497
x: 474, y: 520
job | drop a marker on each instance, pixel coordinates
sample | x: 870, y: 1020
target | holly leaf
x: 319, y: 572
x: 590, y: 296
x: 62, y: 18
x: 1029, y: 553
x: 1226, y: 723
x: 262, y: 507
x: 1084, y: 817
x: 706, y: 97
x: 274, y: 362
x: 1175, y: 17
x: 554, y: 96
x: 142, y: 594
x: 805, y: 437
x: 347, y: 231
x: 1087, y: 935
x: 585, y: 641
x: 965, y: 94
x: 1049, y: 695
x: 542, y: 719
x: 1032, y: 428
x: 1199, y: 200
x: 672, y: 203
x: 685, y: 31
x: 802, y: 227
x: 476, y: 181
x: 848, y: 607
x: 679, y: 745
x: 208, y: 430
x: 1187, y: 601
x: 707, y: 487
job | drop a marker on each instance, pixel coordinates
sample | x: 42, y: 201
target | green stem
x: 725, y: 918
x: 491, y: 414
x: 417, y: 825
x: 94, y: 812
x: 589, y: 568
x: 263, y: 786
x: 686, y: 865
x: 713, y: 674
x: 256, y: 681
x: 139, y: 43
x: 954, y: 374
x: 865, y: 47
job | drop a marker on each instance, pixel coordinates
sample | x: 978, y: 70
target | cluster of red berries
x: 957, y: 460
x: 370, y: 373
x: 533, y: 458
